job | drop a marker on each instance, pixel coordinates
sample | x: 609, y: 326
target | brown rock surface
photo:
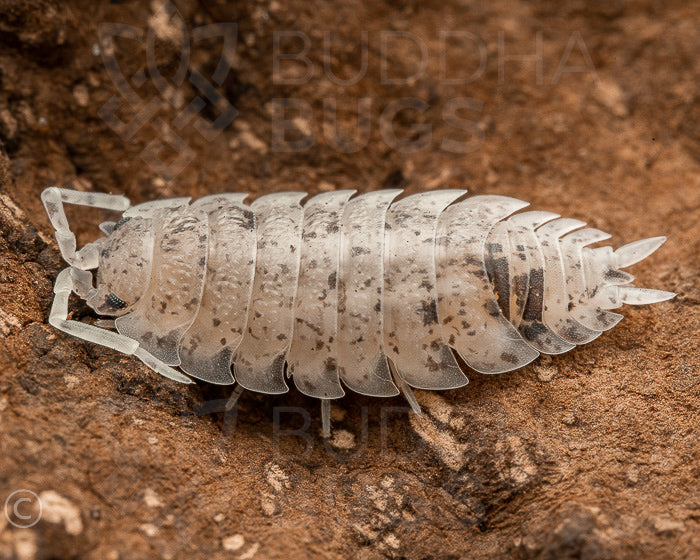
x: 592, y: 454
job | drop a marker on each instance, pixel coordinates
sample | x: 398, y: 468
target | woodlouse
x: 365, y: 291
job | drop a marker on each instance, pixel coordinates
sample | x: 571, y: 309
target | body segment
x: 206, y: 350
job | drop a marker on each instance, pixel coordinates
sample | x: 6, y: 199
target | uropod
x: 369, y: 291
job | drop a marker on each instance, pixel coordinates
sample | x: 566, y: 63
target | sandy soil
x: 592, y: 454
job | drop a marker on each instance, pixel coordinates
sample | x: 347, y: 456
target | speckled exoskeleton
x: 365, y: 292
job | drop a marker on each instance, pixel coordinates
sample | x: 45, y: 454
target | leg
x: 59, y: 318
x: 159, y: 367
x: 54, y: 199
x: 233, y: 399
x: 326, y: 417
x: 406, y: 390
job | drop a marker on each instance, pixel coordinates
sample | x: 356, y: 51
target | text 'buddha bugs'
x: 365, y: 292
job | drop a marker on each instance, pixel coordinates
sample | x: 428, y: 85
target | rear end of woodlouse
x: 366, y: 291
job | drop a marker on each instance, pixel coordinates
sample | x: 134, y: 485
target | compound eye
x: 115, y: 302
x: 120, y: 223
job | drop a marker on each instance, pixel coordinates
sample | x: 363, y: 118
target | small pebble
x: 57, y: 509
x: 268, y: 505
x: 665, y: 526
x: 343, y: 439
x: 233, y: 543
x: 609, y: 94
x: 148, y: 529
x: 81, y: 95
x: 152, y: 499
x: 250, y: 553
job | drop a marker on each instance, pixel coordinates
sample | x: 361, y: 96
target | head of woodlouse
x: 124, y: 267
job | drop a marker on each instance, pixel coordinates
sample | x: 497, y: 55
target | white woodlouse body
x: 365, y: 291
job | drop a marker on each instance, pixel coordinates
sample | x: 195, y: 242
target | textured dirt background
x: 593, y: 454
